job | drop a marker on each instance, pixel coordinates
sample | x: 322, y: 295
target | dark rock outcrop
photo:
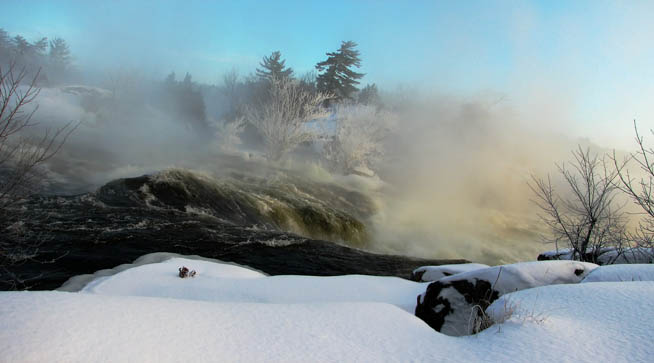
x: 188, y: 215
x: 455, y: 305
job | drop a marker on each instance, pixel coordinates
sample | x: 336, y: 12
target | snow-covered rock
x: 453, y: 304
x: 606, y: 255
x: 624, y: 272
x: 433, y: 273
x: 639, y: 255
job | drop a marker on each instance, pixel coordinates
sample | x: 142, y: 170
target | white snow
x: 310, y: 319
x: 230, y: 283
x: 609, y: 255
x: 626, y: 272
x: 433, y: 273
x: 524, y: 275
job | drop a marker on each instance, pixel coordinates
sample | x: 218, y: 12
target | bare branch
x: 587, y: 220
x: 282, y: 118
x: 20, y: 158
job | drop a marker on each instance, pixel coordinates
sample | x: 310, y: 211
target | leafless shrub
x: 510, y: 310
x: 228, y: 134
x: 640, y: 190
x: 20, y: 158
x: 20, y: 155
x: 589, y: 219
x: 282, y: 117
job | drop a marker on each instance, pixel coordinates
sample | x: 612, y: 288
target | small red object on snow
x: 184, y: 272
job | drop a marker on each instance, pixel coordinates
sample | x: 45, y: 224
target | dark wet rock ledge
x: 243, y: 221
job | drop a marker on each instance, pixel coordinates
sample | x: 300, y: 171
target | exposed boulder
x: 454, y: 305
x: 434, y: 273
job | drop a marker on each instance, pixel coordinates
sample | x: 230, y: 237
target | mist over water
x: 453, y: 179
x: 453, y: 183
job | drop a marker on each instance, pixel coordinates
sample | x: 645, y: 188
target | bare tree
x: 282, y: 117
x: 20, y: 157
x: 639, y: 189
x: 230, y: 89
x: 587, y: 219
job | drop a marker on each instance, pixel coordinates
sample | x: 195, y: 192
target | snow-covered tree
x: 357, y: 140
x: 282, y: 117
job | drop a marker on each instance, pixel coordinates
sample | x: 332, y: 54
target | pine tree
x: 274, y: 68
x: 21, y: 46
x: 5, y: 45
x: 59, y: 54
x: 338, y: 78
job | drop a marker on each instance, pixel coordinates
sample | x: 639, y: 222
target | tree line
x: 51, y: 59
x: 276, y: 107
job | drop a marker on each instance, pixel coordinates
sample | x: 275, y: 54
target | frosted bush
x: 356, y: 140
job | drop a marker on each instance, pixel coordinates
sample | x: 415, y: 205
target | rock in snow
x: 453, y: 305
x: 433, y: 273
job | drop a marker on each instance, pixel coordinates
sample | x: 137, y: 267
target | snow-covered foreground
x: 230, y: 283
x: 228, y: 313
x: 627, y: 272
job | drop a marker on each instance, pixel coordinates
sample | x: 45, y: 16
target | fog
x: 452, y: 180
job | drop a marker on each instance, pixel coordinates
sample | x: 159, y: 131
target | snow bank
x: 77, y: 283
x: 575, y: 323
x: 76, y: 327
x: 433, y: 273
x: 629, y: 272
x: 607, y: 255
x: 73, y: 327
x: 231, y: 283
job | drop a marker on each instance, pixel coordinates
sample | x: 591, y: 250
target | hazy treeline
x: 265, y: 112
x: 52, y: 57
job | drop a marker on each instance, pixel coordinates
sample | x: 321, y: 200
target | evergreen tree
x: 38, y: 48
x: 59, y: 54
x: 170, y: 80
x: 337, y: 77
x: 185, y: 101
x: 21, y: 46
x: 5, y: 46
x: 274, y: 68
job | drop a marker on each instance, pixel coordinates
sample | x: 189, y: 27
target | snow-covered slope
x: 229, y: 283
x: 433, y: 273
x: 292, y: 321
x: 627, y: 272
